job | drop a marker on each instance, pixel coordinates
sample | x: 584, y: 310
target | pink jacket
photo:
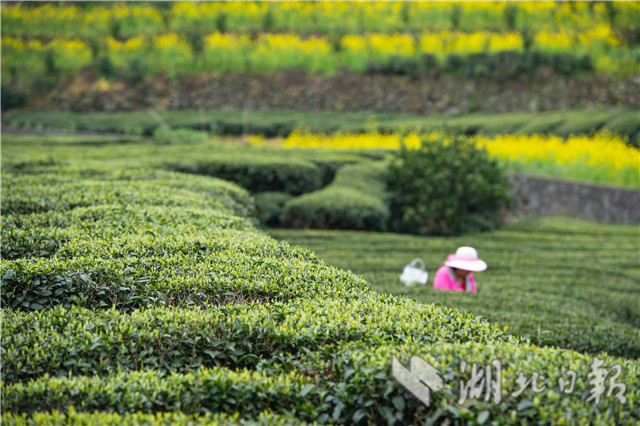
x: 445, y: 280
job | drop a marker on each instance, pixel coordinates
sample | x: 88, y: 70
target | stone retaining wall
x: 539, y: 196
x: 344, y: 91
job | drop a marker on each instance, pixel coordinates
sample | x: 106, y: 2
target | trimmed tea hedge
x: 259, y: 174
x: 181, y: 340
x: 230, y: 122
x: 114, y: 419
x: 354, y: 385
x: 355, y: 200
x: 269, y: 206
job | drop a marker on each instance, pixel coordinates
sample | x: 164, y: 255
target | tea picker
x: 457, y: 272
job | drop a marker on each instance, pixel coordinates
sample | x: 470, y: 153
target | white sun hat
x: 466, y: 258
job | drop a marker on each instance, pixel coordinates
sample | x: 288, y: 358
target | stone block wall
x: 540, y: 196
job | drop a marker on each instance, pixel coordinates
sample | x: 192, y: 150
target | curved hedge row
x: 336, y: 208
x: 75, y: 341
x: 131, y: 419
x: 354, y: 385
x: 259, y: 174
x: 356, y: 199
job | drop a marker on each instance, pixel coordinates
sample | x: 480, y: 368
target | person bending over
x: 458, y: 269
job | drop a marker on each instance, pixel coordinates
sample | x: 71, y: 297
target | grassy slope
x: 283, y: 337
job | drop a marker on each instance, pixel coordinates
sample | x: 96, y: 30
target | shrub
x: 12, y: 98
x: 337, y: 208
x: 357, y: 199
x: 368, y: 178
x: 403, y: 65
x: 446, y: 187
x: 330, y: 164
x: 259, y: 173
x: 396, y: 65
x: 269, y: 206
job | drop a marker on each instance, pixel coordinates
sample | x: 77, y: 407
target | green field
x: 132, y: 293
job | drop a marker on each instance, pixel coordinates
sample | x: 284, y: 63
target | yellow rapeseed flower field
x: 603, y: 156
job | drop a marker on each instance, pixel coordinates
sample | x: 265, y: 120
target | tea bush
x: 12, y: 98
x: 114, y: 419
x: 445, y: 188
x: 355, y: 200
x: 336, y: 208
x: 182, y: 339
x: 353, y: 386
x: 265, y: 122
x: 259, y: 174
x: 269, y: 206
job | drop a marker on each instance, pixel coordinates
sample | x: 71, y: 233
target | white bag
x: 414, y: 273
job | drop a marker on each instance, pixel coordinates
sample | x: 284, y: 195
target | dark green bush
x: 267, y: 128
x: 446, y: 187
x: 396, y: 65
x: 259, y: 173
x: 568, y: 64
x: 135, y: 72
x: 453, y: 63
x: 269, y: 206
x: 12, y: 98
x: 336, y: 207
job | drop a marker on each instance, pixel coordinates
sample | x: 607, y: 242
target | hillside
x: 411, y: 57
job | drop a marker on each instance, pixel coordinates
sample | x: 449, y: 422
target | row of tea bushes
x: 320, y: 193
x: 260, y: 174
x: 62, y: 342
x: 67, y: 190
x: 263, y: 171
x: 353, y: 384
x: 136, y: 271
x: 355, y: 199
x: 310, y: 126
x: 129, y: 419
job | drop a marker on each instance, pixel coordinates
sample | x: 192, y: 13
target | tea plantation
x: 134, y: 293
x: 561, y: 282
